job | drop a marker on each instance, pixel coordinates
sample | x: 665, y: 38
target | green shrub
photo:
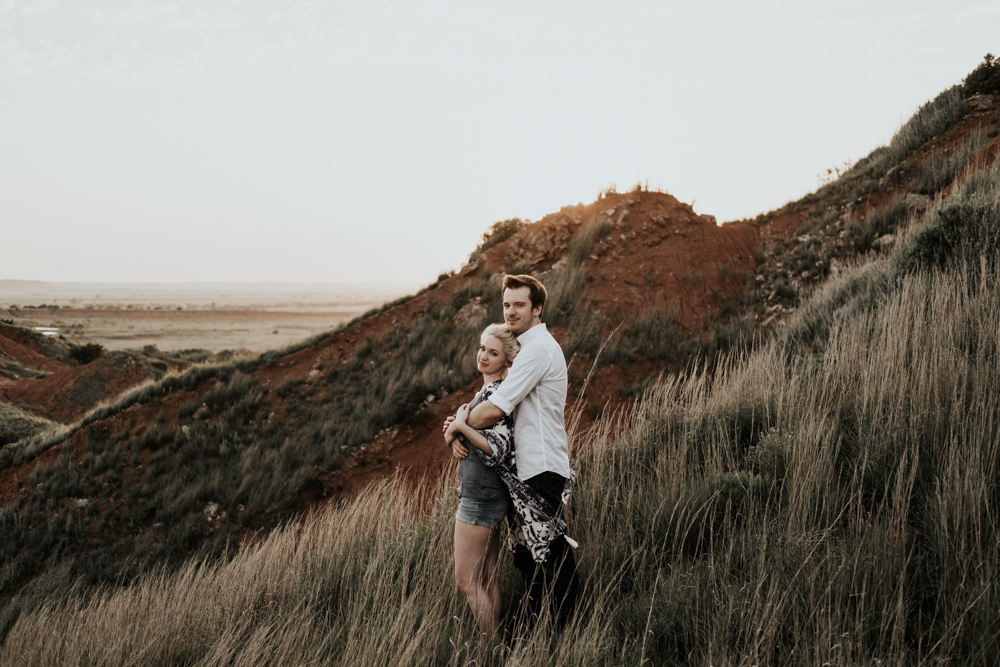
x: 14, y: 370
x: 657, y: 335
x: 933, y: 244
x: 963, y: 230
x: 886, y: 220
x: 498, y: 232
x: 985, y: 79
x: 804, y: 257
x: 818, y: 221
x: 783, y: 291
x: 84, y: 354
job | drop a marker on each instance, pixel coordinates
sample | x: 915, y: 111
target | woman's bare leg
x: 477, y: 551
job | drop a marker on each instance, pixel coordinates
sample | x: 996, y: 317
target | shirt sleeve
x: 526, y: 372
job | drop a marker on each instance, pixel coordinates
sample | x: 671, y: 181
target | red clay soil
x: 25, y: 355
x: 664, y: 256
x: 669, y: 257
x: 659, y: 253
x: 414, y: 451
x: 53, y: 396
x: 32, y: 340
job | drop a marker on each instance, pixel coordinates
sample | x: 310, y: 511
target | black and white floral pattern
x: 536, y: 524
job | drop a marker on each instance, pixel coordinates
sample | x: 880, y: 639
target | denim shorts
x: 487, y: 513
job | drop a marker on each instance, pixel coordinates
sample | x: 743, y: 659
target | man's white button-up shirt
x: 536, y: 388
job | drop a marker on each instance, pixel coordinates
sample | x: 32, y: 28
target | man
x: 536, y: 388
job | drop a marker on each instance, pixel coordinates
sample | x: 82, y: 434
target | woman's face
x: 490, y: 358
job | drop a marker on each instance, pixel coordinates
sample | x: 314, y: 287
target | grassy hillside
x: 196, y: 462
x: 822, y: 491
x: 830, y: 499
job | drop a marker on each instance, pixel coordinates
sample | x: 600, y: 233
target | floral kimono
x: 536, y: 524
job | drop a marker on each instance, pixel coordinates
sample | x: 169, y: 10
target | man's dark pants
x: 557, y: 575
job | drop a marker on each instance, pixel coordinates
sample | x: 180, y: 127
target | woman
x: 484, y: 499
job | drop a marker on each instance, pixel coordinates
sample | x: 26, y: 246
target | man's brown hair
x: 536, y: 290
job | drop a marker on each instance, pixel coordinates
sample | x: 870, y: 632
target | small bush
x: 783, y: 291
x: 84, y: 354
x: 884, y: 221
x: 498, y: 232
x: 226, y: 395
x: 819, y: 221
x: 933, y: 244
x: 985, y: 79
x: 657, y: 335
x: 963, y: 231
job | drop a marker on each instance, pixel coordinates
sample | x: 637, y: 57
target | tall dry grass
x: 836, y: 506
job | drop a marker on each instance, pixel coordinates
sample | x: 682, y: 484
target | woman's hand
x: 446, y: 430
x: 453, y: 432
x: 447, y: 423
x: 451, y: 429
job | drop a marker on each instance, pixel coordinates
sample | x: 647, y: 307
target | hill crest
x: 262, y: 438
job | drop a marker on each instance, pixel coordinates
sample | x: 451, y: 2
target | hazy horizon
x: 6, y: 282
x: 370, y: 141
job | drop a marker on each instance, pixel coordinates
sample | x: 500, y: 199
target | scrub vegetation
x: 498, y: 232
x: 985, y: 79
x: 821, y: 493
x: 81, y: 518
x: 17, y: 424
x: 830, y: 499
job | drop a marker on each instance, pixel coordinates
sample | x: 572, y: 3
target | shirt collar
x: 531, y: 333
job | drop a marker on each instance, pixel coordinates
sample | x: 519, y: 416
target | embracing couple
x: 514, y: 463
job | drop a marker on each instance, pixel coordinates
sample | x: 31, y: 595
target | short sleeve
x: 526, y: 372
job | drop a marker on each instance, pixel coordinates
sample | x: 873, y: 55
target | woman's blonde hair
x: 508, y: 342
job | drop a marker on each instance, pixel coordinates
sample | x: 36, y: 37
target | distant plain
x: 207, y: 316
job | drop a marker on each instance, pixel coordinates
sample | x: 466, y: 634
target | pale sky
x: 368, y: 141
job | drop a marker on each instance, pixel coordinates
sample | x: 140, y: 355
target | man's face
x: 517, y: 310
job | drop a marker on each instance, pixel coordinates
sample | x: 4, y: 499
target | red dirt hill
x: 654, y: 253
